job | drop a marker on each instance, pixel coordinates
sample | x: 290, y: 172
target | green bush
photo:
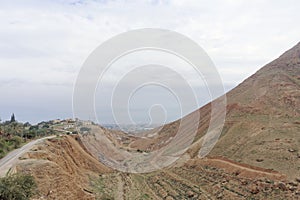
x: 17, y: 187
x: 17, y: 141
x: 7, y: 145
x: 82, y: 129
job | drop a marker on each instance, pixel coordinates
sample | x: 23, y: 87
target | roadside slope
x: 62, y: 169
x: 12, y: 158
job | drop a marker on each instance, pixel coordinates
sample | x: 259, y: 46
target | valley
x: 256, y: 157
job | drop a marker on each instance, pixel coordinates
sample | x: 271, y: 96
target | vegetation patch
x: 14, y: 134
x: 17, y: 186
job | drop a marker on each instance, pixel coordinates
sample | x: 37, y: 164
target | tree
x: 13, y: 118
x: 0, y: 127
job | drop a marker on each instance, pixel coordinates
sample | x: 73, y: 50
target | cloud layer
x: 44, y: 43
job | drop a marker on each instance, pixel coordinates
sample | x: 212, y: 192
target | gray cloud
x: 44, y: 43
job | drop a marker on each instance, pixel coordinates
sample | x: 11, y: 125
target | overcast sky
x: 43, y: 44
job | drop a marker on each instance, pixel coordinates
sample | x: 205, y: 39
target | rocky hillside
x: 263, y: 117
x: 262, y: 125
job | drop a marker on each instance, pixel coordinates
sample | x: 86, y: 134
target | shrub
x: 82, y: 129
x: 17, y: 141
x: 17, y: 186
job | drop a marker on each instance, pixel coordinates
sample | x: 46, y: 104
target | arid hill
x: 263, y: 118
x: 256, y: 157
x: 262, y: 125
x: 62, y: 168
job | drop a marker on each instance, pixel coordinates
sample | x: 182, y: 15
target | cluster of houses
x: 70, y: 126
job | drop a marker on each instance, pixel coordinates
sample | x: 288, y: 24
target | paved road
x: 11, y: 159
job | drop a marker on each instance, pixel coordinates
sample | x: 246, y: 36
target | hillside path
x: 245, y: 167
x: 12, y: 158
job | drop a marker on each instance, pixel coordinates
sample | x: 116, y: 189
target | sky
x: 43, y: 45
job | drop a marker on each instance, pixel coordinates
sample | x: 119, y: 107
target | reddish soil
x: 62, y: 169
x: 243, y: 170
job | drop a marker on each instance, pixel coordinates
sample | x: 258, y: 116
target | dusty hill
x: 257, y: 156
x: 62, y: 169
x: 262, y: 125
x: 263, y: 121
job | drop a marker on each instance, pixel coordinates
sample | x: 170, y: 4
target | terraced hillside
x: 195, y: 180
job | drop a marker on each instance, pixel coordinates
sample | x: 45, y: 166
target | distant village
x: 12, y: 127
x: 68, y: 126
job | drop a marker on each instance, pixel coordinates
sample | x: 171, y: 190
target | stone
x: 254, y: 189
x: 220, y: 196
x: 282, y: 186
x: 293, y: 183
x: 169, y: 198
x: 190, y: 194
x: 291, y: 188
x: 244, y: 182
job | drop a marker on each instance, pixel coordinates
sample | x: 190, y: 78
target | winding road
x: 12, y: 158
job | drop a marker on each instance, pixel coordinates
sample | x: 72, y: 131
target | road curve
x: 11, y: 159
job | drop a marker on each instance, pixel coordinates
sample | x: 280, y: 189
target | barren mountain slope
x: 257, y: 151
x: 263, y: 117
x: 260, y: 141
x: 262, y: 125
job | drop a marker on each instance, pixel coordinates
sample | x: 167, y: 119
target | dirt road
x: 229, y: 163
